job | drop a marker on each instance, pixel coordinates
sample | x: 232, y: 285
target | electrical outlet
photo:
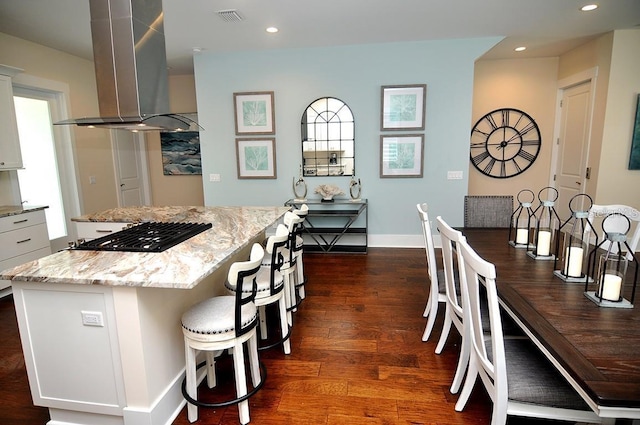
x: 92, y: 318
x: 214, y: 177
x: 92, y: 179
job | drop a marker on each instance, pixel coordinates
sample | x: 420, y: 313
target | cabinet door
x: 10, y: 157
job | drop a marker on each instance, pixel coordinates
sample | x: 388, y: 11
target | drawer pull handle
x: 24, y: 240
x: 104, y: 231
x: 21, y: 221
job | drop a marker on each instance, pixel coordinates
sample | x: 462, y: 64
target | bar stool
x: 289, y: 268
x: 225, y: 323
x: 301, y: 281
x: 271, y: 288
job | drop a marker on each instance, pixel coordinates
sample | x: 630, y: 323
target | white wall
x: 353, y: 74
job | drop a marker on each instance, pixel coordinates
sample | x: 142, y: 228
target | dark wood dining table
x: 597, y: 349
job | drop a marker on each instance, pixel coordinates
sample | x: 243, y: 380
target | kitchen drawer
x: 24, y: 258
x: 19, y: 221
x: 91, y: 230
x: 24, y: 240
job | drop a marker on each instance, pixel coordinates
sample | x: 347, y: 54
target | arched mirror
x: 328, y: 138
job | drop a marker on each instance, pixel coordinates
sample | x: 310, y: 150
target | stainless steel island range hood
x: 131, y: 68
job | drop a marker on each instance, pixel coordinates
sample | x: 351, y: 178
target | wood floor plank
x: 357, y: 355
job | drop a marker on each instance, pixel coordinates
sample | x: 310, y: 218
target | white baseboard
x: 400, y: 241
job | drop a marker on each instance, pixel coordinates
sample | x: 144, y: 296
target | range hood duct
x: 131, y: 68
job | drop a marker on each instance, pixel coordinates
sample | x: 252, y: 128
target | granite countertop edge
x: 9, y: 210
x: 180, y: 267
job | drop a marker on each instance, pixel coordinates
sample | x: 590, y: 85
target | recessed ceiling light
x: 589, y: 7
x: 272, y: 30
x: 520, y: 49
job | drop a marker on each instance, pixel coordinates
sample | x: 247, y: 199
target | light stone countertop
x: 180, y: 267
x: 8, y: 210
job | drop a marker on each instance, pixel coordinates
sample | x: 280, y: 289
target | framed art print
x: 401, y: 155
x: 403, y: 107
x: 254, y: 113
x: 256, y: 158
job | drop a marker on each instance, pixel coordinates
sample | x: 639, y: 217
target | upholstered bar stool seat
x: 224, y: 323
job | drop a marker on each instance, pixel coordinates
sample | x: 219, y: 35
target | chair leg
x: 284, y: 325
x: 262, y: 314
x: 241, y: 381
x: 431, y: 310
x: 446, y: 328
x: 469, y: 383
x: 287, y: 295
x: 293, y: 281
x: 463, y: 362
x: 190, y: 357
x: 254, y: 362
x: 211, y: 369
x: 301, y: 282
x: 427, y: 307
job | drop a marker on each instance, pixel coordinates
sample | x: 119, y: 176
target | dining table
x: 597, y: 349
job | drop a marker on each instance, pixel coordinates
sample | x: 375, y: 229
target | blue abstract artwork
x: 181, y: 153
x: 634, y: 159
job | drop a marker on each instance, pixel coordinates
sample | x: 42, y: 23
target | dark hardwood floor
x: 357, y: 356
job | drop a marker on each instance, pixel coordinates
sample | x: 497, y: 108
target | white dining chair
x: 453, y: 314
x: 518, y: 378
x: 436, y: 276
x: 599, y: 212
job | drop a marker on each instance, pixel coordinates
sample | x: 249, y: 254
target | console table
x: 338, y: 226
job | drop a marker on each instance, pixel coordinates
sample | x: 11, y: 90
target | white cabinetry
x: 10, y: 157
x: 88, y: 230
x: 23, y: 238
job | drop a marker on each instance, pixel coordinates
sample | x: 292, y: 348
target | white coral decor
x: 328, y: 191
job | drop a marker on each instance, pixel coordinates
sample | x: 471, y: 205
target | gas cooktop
x: 146, y: 237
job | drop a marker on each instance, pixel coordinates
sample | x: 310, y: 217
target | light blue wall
x: 353, y: 74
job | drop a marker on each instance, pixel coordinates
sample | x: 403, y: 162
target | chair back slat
x: 450, y: 259
x: 243, y: 274
x: 432, y: 266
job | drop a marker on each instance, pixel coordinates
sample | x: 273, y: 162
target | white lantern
x: 522, y: 220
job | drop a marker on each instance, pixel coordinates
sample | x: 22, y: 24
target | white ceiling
x: 547, y: 27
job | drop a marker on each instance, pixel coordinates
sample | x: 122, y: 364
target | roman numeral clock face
x: 504, y: 143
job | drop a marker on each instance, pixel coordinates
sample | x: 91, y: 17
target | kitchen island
x: 100, y: 330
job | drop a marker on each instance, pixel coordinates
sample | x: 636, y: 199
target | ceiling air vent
x: 229, y: 15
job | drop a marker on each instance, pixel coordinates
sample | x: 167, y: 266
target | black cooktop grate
x: 146, y: 237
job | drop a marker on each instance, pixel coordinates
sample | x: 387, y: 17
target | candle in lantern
x: 573, y: 261
x: 611, y: 286
x: 544, y: 243
x: 522, y: 236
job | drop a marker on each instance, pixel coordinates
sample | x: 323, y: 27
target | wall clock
x: 504, y: 143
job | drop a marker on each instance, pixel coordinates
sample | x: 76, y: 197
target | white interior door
x: 129, y: 157
x: 573, y: 145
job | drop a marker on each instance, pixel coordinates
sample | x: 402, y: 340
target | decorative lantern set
x: 576, y: 233
x: 547, y: 225
x: 608, y: 262
x: 610, y: 270
x: 522, y: 220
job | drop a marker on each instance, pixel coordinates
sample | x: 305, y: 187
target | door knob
x: 578, y: 183
x: 121, y: 184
